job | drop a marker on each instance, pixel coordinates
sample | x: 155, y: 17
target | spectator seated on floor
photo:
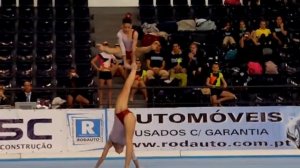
x: 218, y: 87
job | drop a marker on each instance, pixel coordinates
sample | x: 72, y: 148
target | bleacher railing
x: 191, y: 96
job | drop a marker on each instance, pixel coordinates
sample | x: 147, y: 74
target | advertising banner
x: 180, y: 129
x: 29, y: 131
x: 86, y: 129
x: 226, y: 128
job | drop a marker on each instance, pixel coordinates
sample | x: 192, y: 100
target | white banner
x: 227, y: 128
x: 28, y: 131
x: 181, y: 129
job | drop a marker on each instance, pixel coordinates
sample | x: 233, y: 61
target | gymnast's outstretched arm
x: 107, y: 146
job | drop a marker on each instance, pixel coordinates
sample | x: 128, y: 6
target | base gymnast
x: 124, y: 125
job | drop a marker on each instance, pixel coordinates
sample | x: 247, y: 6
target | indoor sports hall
x: 192, y: 83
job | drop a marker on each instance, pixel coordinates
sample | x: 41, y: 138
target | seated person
x: 75, y: 95
x: 280, y: 33
x: 228, y: 34
x: 217, y: 85
x: 197, y: 69
x: 242, y: 29
x: 156, y: 64
x: 139, y: 82
x: 177, y: 65
x: 249, y: 50
x: 263, y: 34
x: 26, y: 95
x: 3, y: 99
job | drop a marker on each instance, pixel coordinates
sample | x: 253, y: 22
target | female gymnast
x: 124, y: 125
x: 127, y: 39
x: 103, y: 63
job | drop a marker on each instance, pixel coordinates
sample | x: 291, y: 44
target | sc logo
x: 30, y: 125
x: 88, y: 128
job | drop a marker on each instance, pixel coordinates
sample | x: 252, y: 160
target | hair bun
x: 127, y: 18
x: 128, y: 15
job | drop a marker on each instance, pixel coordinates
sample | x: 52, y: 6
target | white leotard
x: 117, y: 134
x: 125, y: 42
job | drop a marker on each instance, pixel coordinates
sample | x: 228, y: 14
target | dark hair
x: 216, y: 63
x: 127, y: 18
x: 26, y: 80
x: 72, y: 68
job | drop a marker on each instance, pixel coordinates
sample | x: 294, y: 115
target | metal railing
x: 191, y: 96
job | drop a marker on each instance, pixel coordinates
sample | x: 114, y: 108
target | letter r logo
x: 88, y: 127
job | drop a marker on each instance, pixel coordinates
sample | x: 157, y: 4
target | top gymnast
x: 127, y: 40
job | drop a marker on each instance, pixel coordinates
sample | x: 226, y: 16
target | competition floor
x: 200, y: 162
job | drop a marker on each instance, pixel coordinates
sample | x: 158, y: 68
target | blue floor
x: 227, y: 162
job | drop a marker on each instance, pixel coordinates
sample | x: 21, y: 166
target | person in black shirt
x: 228, y: 35
x: 280, y: 33
x: 156, y: 64
x: 197, y: 68
x: 242, y: 29
x: 177, y: 65
x: 249, y: 48
x: 72, y: 83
